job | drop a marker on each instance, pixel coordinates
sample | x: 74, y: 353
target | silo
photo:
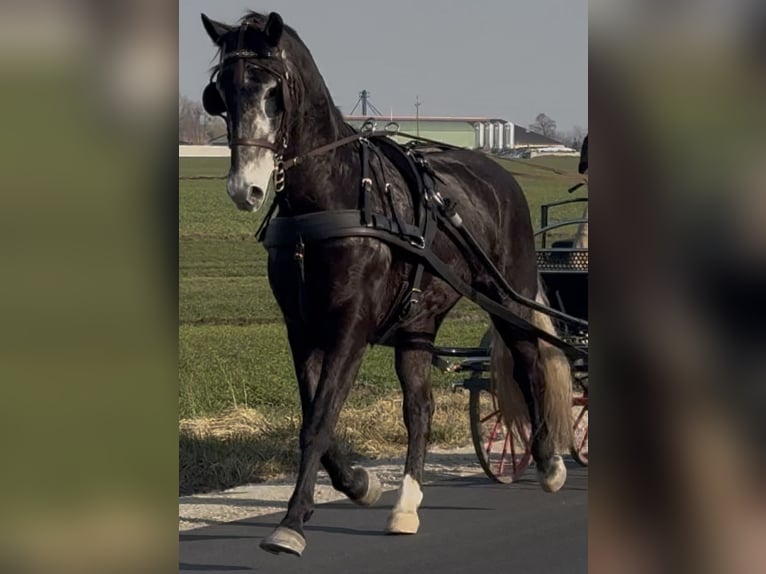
x: 508, y: 135
x: 479, y: 135
x: 490, y: 136
x: 500, y: 134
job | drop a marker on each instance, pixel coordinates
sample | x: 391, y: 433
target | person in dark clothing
x: 583, y: 167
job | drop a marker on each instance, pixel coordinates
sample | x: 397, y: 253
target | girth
x: 284, y: 231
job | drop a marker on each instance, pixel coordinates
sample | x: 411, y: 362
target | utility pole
x: 417, y: 115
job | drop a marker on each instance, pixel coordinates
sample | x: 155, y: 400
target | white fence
x: 203, y: 151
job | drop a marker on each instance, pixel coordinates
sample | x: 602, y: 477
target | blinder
x: 212, y: 101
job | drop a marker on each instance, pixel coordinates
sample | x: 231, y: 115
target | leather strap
x: 254, y: 143
x: 284, y: 232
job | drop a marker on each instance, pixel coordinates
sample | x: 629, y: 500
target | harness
x: 363, y: 222
x: 432, y: 211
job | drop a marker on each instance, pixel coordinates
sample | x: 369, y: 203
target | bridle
x: 272, y: 61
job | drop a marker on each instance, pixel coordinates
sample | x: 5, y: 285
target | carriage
x: 373, y: 242
x: 505, y: 453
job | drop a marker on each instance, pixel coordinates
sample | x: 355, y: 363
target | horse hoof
x: 374, y: 489
x: 284, y: 540
x: 554, y: 479
x: 403, y: 523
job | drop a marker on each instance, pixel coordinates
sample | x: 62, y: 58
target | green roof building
x: 490, y: 134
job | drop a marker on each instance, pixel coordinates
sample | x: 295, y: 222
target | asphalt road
x: 467, y: 525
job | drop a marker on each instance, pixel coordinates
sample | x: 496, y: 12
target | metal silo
x: 490, y: 136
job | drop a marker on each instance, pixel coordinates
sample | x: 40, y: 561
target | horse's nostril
x: 256, y: 193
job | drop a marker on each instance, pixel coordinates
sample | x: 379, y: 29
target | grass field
x: 234, y: 356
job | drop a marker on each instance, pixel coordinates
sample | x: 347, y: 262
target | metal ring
x: 368, y: 126
x: 418, y: 242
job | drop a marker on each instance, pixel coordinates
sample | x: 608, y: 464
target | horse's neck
x: 327, y: 181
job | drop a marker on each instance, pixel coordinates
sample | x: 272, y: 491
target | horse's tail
x: 557, y: 376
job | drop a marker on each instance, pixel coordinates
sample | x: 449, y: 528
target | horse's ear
x: 216, y: 30
x: 273, y: 29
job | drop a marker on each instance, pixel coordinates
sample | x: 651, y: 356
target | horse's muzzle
x: 250, y: 199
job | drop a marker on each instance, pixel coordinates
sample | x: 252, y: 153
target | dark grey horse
x: 277, y: 107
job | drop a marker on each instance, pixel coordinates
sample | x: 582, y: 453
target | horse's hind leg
x: 413, y: 366
x: 340, y: 364
x: 360, y: 485
x: 528, y: 374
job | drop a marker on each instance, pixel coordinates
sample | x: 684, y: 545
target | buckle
x: 391, y: 128
x: 368, y: 127
x: 419, y: 242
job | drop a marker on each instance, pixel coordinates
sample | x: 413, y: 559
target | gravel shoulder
x: 251, y: 500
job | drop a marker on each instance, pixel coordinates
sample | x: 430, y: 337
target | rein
x: 333, y: 145
x: 280, y: 165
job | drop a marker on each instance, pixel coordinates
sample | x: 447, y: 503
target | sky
x: 500, y: 58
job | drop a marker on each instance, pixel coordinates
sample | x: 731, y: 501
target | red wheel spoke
x: 583, y: 441
x: 489, y: 416
x: 488, y: 429
x: 501, y: 464
x: 492, y: 436
x: 580, y: 416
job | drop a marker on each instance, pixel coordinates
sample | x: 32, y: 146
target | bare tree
x: 574, y: 137
x: 544, y: 126
x: 194, y: 124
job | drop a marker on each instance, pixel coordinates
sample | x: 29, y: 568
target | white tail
x: 557, y: 375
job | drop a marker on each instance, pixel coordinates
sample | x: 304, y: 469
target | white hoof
x: 404, y: 516
x: 556, y: 477
x: 284, y: 540
x: 374, y: 489
x: 403, y: 523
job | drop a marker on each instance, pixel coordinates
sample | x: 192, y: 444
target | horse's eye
x: 272, y: 102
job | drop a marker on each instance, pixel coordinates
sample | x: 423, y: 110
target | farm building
x: 491, y: 134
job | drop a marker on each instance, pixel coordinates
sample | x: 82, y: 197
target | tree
x: 574, y: 137
x: 544, y: 126
x: 195, y: 126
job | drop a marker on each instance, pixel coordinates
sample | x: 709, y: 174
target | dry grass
x: 245, y: 445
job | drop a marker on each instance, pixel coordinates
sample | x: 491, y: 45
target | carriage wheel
x: 579, y: 450
x: 503, y: 455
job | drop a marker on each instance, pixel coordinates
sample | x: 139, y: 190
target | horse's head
x: 251, y: 90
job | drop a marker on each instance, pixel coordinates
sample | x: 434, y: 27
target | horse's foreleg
x: 339, y: 367
x: 413, y: 366
x: 360, y: 485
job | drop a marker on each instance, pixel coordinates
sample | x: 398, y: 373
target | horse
x: 338, y: 294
